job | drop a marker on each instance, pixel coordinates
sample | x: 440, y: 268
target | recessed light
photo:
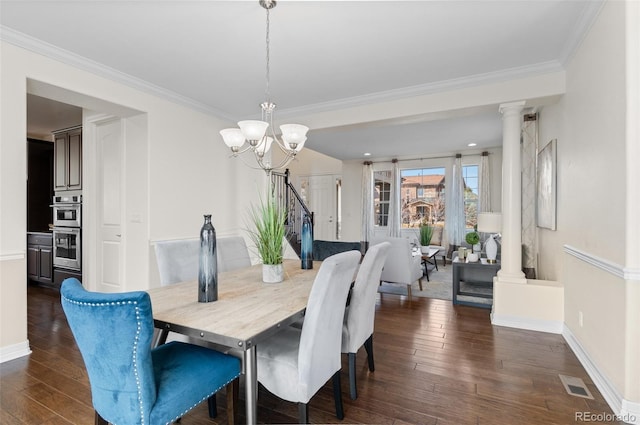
x: 367, y: 154
x: 472, y: 145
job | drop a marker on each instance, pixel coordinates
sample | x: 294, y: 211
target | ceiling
x: 324, y: 55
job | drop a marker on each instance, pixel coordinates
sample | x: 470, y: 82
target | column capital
x: 514, y: 107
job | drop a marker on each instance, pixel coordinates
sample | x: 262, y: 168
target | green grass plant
x: 268, y: 231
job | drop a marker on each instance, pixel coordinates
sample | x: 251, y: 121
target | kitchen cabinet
x: 68, y: 159
x: 40, y: 257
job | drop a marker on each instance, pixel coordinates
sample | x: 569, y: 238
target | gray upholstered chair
x: 131, y: 383
x: 360, y: 313
x: 178, y: 259
x: 401, y: 266
x: 232, y: 253
x: 295, y: 363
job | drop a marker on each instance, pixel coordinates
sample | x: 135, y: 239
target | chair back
x: 400, y: 266
x: 320, y: 340
x: 232, y: 253
x: 177, y: 260
x: 113, y: 333
x: 360, y: 314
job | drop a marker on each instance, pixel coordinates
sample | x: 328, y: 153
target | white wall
x: 588, y: 251
x: 178, y: 170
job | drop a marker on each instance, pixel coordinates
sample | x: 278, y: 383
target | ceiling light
x: 367, y: 154
x: 472, y: 144
x: 259, y: 135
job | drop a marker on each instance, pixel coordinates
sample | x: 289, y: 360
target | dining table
x: 246, y: 312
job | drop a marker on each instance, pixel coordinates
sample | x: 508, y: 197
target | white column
x: 511, y: 253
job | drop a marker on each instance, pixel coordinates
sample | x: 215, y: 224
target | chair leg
x: 213, y: 407
x: 337, y: 395
x: 303, y: 413
x: 232, y: 400
x: 409, y: 291
x: 420, y: 282
x: 99, y: 420
x: 353, y: 392
x: 368, y: 346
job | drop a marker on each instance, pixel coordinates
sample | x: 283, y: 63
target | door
x: 323, y: 194
x: 109, y: 149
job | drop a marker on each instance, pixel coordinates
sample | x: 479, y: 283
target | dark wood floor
x: 435, y: 364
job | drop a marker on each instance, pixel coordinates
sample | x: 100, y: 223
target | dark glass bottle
x: 208, y: 264
x: 306, y: 252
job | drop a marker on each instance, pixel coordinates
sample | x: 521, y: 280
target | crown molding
x: 53, y: 52
x: 426, y: 89
x: 48, y: 50
x: 580, y: 29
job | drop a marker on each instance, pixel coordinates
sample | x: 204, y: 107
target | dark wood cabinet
x: 40, y: 257
x: 68, y: 159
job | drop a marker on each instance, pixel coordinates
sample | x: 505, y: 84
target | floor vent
x: 575, y: 386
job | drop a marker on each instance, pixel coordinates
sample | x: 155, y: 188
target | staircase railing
x: 290, y: 200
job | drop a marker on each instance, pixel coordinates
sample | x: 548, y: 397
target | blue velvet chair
x: 131, y: 383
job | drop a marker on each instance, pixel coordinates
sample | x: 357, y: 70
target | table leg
x: 251, y: 384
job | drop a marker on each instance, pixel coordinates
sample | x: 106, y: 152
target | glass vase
x: 306, y: 251
x: 208, y: 263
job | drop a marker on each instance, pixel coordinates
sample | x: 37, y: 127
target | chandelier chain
x: 267, y: 91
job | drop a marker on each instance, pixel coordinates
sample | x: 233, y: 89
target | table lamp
x: 489, y: 222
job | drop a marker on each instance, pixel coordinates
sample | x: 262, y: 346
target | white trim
x: 49, y: 50
x: 630, y: 411
x: 626, y: 273
x: 15, y: 255
x: 14, y: 351
x: 549, y: 326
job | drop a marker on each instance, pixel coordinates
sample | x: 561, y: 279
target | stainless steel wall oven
x: 67, y: 232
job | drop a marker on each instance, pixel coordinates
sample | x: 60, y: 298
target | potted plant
x: 426, y: 232
x: 268, y: 234
x: 473, y: 239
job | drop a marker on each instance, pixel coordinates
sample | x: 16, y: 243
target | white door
x: 110, y: 262
x: 323, y: 202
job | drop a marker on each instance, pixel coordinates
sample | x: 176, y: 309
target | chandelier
x: 258, y: 136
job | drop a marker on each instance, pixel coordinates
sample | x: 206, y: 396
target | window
x: 470, y: 177
x: 423, y: 196
x: 381, y: 197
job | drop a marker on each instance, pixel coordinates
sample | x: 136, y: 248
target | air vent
x: 575, y: 386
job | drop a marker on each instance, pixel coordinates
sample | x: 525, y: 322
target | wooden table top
x: 246, y: 311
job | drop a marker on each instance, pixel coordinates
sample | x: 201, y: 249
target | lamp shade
x: 264, y: 146
x: 489, y: 222
x: 232, y: 137
x: 253, y: 130
x: 293, y: 134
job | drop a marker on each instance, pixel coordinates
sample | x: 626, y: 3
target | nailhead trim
x: 135, y: 343
x: 198, y: 402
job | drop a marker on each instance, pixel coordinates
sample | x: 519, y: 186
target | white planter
x: 477, y: 248
x: 272, y: 273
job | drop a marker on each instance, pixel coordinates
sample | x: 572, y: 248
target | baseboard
x: 14, y: 351
x: 625, y: 410
x: 549, y: 326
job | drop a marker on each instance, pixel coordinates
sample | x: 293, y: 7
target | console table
x: 479, y: 275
